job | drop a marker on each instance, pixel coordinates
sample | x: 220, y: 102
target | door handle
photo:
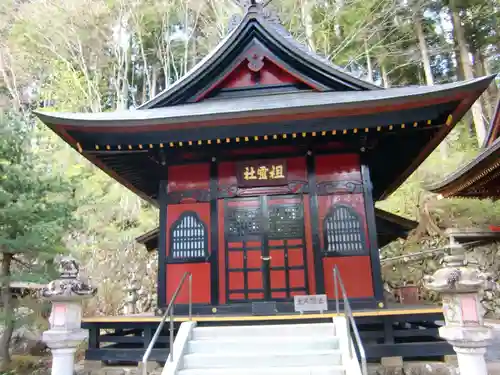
x: 266, y: 258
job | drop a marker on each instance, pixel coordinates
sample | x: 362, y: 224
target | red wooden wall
x: 264, y: 72
x: 355, y: 270
x: 270, y: 74
x: 181, y: 179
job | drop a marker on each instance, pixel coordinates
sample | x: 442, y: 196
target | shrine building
x: 480, y: 177
x: 265, y: 162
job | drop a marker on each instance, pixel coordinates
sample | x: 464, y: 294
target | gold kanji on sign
x: 262, y: 173
x: 249, y: 174
x: 257, y: 173
x: 276, y: 172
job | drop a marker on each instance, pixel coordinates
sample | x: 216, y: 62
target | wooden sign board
x: 309, y: 303
x: 256, y: 173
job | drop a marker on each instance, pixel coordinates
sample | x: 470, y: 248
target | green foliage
x: 36, y: 206
x: 26, y: 365
x: 36, y: 214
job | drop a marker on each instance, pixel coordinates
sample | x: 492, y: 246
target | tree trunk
x: 8, y: 312
x: 493, y: 89
x: 194, y: 47
x: 154, y: 80
x: 307, y: 21
x: 426, y: 61
x: 460, y: 76
x: 458, y: 59
x: 125, y: 83
x: 385, y: 76
x: 459, y: 36
x: 485, y: 98
x: 369, y: 67
x: 339, y: 31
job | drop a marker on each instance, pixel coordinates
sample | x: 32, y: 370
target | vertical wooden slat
x: 344, y: 232
x: 189, y: 239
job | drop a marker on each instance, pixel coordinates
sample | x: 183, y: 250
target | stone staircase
x: 286, y: 349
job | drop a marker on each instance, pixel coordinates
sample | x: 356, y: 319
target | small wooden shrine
x: 480, y: 178
x: 265, y: 161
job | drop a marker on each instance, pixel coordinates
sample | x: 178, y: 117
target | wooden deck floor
x: 392, y: 309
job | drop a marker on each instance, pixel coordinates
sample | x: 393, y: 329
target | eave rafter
x: 483, y: 178
x: 135, y: 148
x: 478, y: 178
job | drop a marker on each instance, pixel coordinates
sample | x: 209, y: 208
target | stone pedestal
x: 459, y: 283
x: 471, y: 360
x: 65, y: 333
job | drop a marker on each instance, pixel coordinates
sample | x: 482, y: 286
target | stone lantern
x: 65, y: 333
x: 459, y: 283
x: 131, y: 297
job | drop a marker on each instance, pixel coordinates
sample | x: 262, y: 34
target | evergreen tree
x: 36, y: 212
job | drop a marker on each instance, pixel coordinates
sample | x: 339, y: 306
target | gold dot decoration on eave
x: 240, y: 140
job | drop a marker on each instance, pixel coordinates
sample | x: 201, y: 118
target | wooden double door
x: 265, y: 248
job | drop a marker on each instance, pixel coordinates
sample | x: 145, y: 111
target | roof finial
x: 246, y: 4
x: 257, y: 7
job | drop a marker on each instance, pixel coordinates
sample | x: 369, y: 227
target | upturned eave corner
x: 494, y: 128
x: 471, y: 91
x: 485, y: 166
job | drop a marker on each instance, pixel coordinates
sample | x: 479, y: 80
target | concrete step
x: 299, y: 370
x: 312, y: 329
x: 262, y: 344
x: 270, y: 359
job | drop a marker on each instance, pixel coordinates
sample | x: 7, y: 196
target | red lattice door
x: 265, y: 248
x: 286, y: 247
x: 244, y: 235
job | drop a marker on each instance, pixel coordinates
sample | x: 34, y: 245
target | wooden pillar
x: 378, y: 286
x: 162, y: 246
x: 316, y: 245
x: 214, y: 234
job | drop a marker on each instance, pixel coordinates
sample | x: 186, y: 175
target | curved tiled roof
x: 480, y: 177
x: 273, y: 35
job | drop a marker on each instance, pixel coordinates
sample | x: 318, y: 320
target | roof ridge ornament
x: 270, y: 15
x: 257, y: 7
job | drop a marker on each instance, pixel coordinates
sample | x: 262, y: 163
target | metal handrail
x: 337, y: 281
x: 169, y: 312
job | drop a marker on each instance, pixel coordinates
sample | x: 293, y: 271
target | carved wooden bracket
x: 339, y: 187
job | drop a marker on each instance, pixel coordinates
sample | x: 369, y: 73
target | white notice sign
x: 313, y: 302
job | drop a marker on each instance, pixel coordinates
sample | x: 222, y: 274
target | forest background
x: 104, y: 55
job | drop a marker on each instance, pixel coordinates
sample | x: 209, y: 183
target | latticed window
x: 343, y: 231
x: 188, y: 238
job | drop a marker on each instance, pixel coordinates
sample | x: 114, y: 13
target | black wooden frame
x: 411, y: 336
x: 198, y: 195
